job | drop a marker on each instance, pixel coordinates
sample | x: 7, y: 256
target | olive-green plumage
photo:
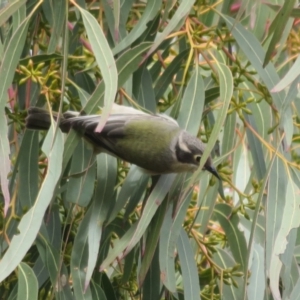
x: 155, y: 138
x: 153, y: 142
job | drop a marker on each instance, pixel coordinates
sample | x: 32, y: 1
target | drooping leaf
x: 236, y: 239
x: 31, y: 221
x: 192, y: 104
x: 151, y: 10
x: 105, y: 61
x: 27, y: 285
x: 189, y: 269
x: 9, y: 9
x: 277, y: 27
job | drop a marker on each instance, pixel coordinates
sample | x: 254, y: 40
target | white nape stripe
x: 183, y: 146
x: 168, y: 118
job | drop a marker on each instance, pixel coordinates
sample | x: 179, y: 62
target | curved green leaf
x: 176, y: 20
x: 127, y: 64
x: 158, y: 194
x: 277, y: 188
x: 166, y: 78
x: 188, y: 267
x: 105, y: 61
x: 31, y: 221
x: 289, y: 77
x: 167, y: 262
x: 228, y: 292
x: 255, y: 53
x: 7, y: 70
x: 52, y: 261
x: 256, y: 149
x: 97, y: 291
x: 55, y: 13
x: 27, y: 283
x: 28, y: 169
x: 151, y: 286
x: 9, y: 9
x: 151, y: 10
x: 192, y: 104
x: 134, y: 181
x: 236, y: 239
x: 226, y: 90
x: 290, y: 219
x: 82, y: 175
x: 277, y: 27
x: 254, y: 224
x: 79, y: 259
x: 257, y: 282
x: 169, y: 237
x: 146, y: 96
x: 119, y: 247
x: 103, y: 201
x: 151, y: 247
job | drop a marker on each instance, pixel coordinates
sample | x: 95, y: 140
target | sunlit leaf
x: 105, y: 61
x: 188, y: 266
x: 27, y: 286
x: 31, y: 221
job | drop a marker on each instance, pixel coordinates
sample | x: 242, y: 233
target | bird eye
x: 197, y: 158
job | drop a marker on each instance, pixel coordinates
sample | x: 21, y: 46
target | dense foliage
x: 79, y: 226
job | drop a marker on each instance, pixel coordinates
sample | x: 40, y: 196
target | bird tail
x: 39, y: 119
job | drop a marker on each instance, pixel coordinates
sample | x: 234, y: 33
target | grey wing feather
x: 114, y: 127
x: 90, y: 122
x: 104, y: 140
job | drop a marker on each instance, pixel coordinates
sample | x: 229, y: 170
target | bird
x: 153, y: 142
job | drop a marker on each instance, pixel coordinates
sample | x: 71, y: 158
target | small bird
x: 155, y: 143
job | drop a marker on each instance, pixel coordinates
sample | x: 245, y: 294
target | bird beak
x: 213, y: 171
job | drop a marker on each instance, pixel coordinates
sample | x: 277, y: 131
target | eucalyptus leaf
x: 31, y: 221
x: 27, y: 286
x: 189, y: 269
x: 105, y: 61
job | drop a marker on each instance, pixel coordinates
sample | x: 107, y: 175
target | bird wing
x: 114, y: 125
x: 113, y: 129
